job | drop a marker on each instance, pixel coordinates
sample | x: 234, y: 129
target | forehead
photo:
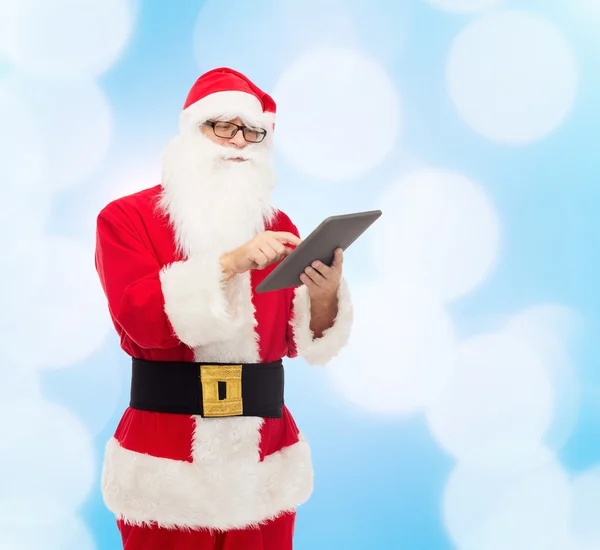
x: 239, y: 121
x: 236, y: 120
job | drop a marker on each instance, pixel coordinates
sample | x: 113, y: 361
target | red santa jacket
x: 188, y: 471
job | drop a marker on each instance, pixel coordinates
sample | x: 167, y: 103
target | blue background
x: 379, y: 479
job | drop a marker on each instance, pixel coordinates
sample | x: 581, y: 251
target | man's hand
x: 322, y: 283
x: 260, y: 252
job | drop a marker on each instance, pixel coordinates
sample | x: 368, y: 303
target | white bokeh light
x: 382, y: 28
x: 584, y: 524
x: 45, y: 450
x: 56, y: 301
x: 244, y: 45
x: 70, y: 534
x: 549, y: 330
x: 328, y: 97
x: 438, y: 229
x: 496, y: 409
x: 21, y: 142
x: 36, y: 520
x: 63, y: 37
x: 122, y: 181
x: 401, y: 352
x: 512, y: 76
x: 18, y: 380
x: 75, y: 121
x: 95, y: 388
x: 464, y: 6
x: 24, y: 208
x: 283, y: 30
x: 524, y: 509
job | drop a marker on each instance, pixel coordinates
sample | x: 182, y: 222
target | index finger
x: 287, y: 238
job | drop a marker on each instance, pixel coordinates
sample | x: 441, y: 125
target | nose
x: 238, y: 140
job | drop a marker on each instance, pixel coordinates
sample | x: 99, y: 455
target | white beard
x: 215, y: 204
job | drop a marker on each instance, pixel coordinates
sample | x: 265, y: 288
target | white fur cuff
x: 320, y: 351
x: 195, y: 302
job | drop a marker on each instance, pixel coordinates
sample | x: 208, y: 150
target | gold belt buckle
x: 231, y: 375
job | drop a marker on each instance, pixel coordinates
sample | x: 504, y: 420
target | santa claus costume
x: 203, y: 458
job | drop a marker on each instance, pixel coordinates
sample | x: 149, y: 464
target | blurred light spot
x: 246, y: 43
x: 121, y: 181
x: 281, y: 31
x: 464, y: 6
x: 55, y: 301
x: 76, y: 124
x: 18, y: 379
x: 549, y: 330
x: 31, y: 509
x: 65, y: 38
x: 44, y: 450
x: 24, y: 208
x: 339, y: 114
x: 401, y: 350
x: 584, y: 524
x: 37, y: 533
x: 496, y: 409
x: 524, y: 509
x: 93, y: 389
x: 512, y: 76
x: 382, y: 28
x: 21, y: 142
x: 438, y: 229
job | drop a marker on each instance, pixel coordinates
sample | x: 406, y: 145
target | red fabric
x: 134, y: 242
x: 225, y: 80
x: 277, y: 433
x: 274, y: 535
x: 157, y: 434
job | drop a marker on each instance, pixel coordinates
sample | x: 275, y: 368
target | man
x: 207, y: 456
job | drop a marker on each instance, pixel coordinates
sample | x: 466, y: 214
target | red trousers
x: 274, y: 535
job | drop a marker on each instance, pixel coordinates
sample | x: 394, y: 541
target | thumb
x: 338, y: 258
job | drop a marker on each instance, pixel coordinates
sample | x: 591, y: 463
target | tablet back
x: 334, y: 232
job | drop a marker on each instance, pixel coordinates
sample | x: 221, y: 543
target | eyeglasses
x: 228, y: 130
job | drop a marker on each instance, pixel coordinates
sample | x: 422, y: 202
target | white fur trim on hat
x: 229, y: 104
x: 320, y: 351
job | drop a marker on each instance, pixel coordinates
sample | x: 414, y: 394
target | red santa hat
x: 225, y: 93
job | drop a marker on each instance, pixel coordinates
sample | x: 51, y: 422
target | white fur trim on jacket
x: 195, y: 302
x: 228, y: 104
x: 213, y: 493
x: 320, y: 351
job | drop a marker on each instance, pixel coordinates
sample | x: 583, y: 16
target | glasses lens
x: 225, y: 129
x: 254, y: 135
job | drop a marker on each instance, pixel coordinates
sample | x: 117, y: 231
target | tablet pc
x: 334, y: 232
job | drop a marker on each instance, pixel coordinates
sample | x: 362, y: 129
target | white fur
x: 227, y: 489
x: 320, y: 351
x: 213, y: 203
x: 214, y: 206
x: 242, y: 347
x: 227, y: 104
x: 195, y: 302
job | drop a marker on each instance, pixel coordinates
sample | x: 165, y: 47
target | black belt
x: 208, y: 389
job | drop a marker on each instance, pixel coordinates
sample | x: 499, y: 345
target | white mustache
x: 228, y: 153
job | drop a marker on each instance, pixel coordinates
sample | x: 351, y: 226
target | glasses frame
x: 213, y: 123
